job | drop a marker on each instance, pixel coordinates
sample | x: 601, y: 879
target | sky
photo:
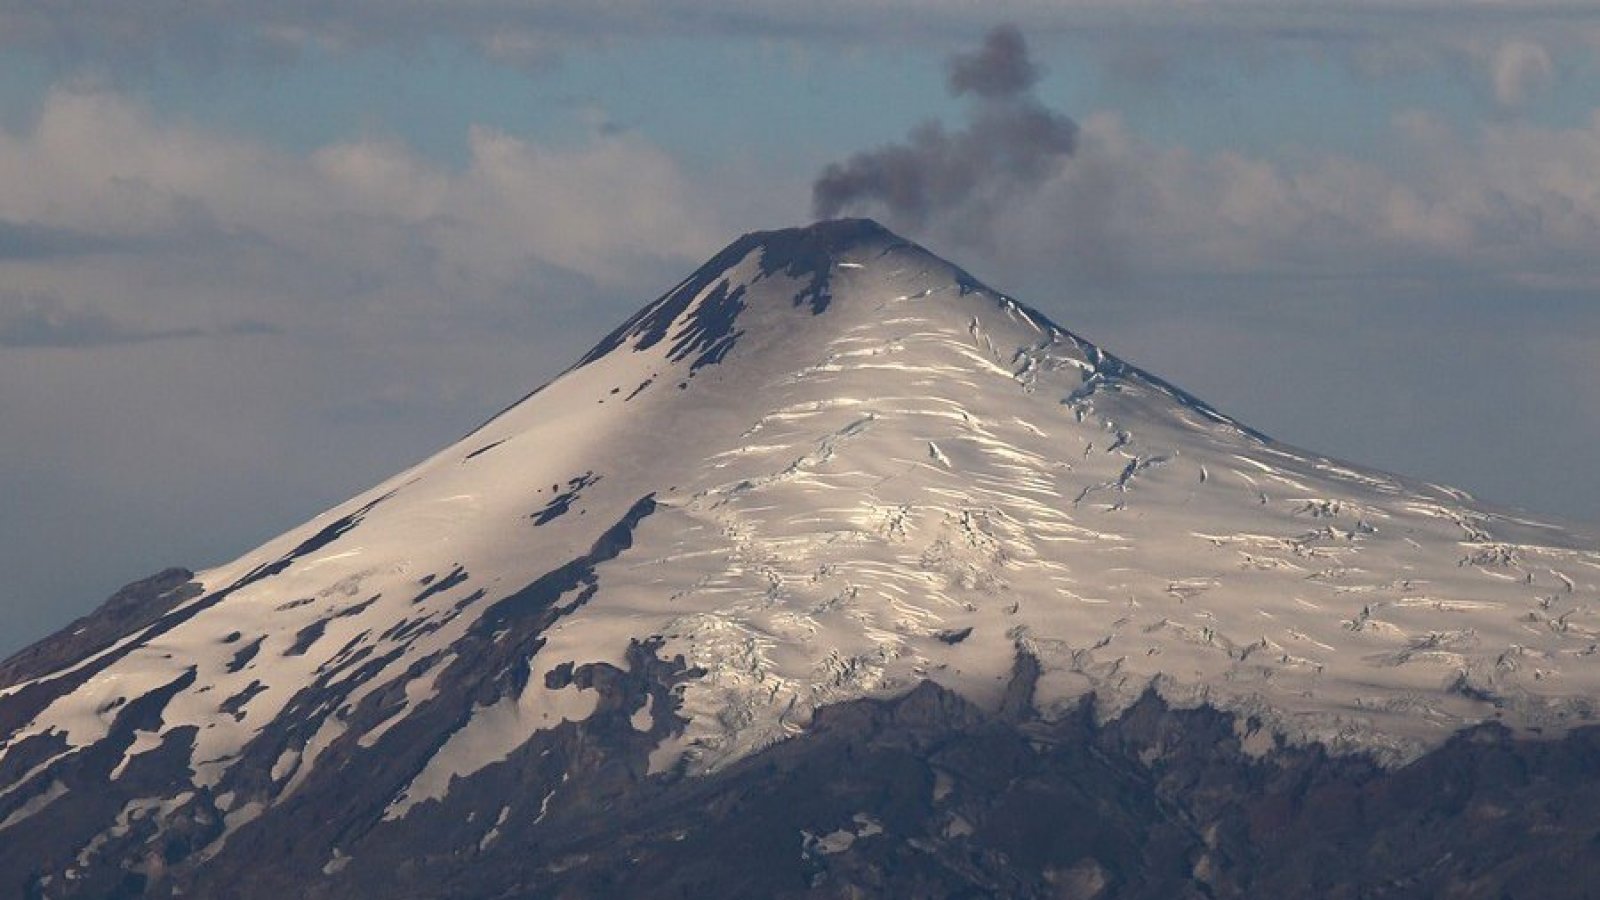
x: 257, y: 256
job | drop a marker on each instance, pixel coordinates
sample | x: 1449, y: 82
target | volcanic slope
x: 828, y: 466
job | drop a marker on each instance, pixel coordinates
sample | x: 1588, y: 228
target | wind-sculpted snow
x: 827, y: 467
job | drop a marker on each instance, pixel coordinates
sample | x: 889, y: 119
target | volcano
x: 833, y: 572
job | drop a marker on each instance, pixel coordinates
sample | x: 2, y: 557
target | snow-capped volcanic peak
x: 830, y: 465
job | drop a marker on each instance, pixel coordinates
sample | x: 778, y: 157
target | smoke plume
x: 1011, y: 142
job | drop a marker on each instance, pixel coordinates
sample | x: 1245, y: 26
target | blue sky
x: 255, y: 261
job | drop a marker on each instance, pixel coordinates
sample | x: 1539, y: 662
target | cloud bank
x: 102, y: 202
x: 44, y: 320
x: 1508, y: 203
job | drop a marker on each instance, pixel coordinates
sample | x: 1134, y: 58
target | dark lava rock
x: 132, y: 608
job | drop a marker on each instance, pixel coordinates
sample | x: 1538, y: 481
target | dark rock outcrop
x: 128, y: 610
x: 928, y: 796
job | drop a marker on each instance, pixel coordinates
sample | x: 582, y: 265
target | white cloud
x: 363, y: 220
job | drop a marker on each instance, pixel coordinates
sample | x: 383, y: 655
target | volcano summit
x: 833, y: 573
